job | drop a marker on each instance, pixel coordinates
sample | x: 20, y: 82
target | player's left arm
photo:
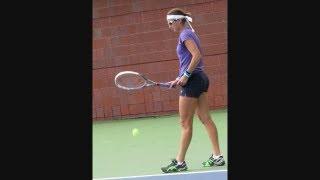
x: 196, y: 55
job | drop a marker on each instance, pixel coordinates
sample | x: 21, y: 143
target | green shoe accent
x: 208, y: 163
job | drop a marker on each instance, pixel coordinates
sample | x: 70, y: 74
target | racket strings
x: 130, y: 81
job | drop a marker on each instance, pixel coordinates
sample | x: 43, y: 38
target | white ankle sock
x: 215, y: 157
x: 179, y: 163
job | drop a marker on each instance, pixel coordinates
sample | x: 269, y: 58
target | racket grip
x: 166, y: 85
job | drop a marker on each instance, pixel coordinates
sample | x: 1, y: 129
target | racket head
x: 130, y: 80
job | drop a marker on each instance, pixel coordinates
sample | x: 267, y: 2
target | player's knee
x: 186, y: 124
x: 204, y: 118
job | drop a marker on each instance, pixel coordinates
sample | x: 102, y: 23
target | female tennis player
x: 193, y: 96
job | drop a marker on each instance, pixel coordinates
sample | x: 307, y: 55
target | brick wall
x: 133, y: 35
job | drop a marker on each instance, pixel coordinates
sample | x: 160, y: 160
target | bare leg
x: 205, y: 118
x: 187, y: 106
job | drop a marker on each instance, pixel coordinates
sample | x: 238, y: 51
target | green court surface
x: 116, y: 153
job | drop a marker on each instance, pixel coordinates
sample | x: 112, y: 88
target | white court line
x: 169, y: 174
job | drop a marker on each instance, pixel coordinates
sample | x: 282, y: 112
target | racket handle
x: 166, y: 85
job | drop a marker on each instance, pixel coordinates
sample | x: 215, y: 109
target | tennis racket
x: 130, y: 80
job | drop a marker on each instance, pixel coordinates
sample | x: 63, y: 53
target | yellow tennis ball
x: 135, y: 132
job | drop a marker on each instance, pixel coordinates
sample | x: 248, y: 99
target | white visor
x: 175, y: 17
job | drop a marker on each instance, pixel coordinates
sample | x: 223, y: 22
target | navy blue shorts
x: 196, y: 85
